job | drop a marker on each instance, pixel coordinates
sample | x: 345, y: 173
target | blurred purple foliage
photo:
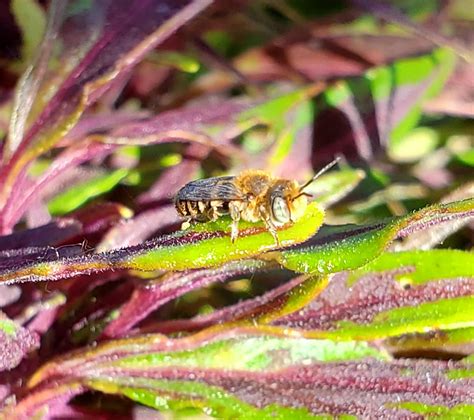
x: 125, y: 102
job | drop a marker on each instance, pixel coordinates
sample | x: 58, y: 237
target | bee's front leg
x: 269, y: 224
x: 272, y: 229
x: 273, y: 232
x: 234, y: 210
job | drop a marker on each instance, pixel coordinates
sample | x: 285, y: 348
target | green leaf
x: 273, y: 112
x: 31, y: 19
x: 301, y: 116
x: 180, y: 396
x: 75, y: 197
x: 445, y: 308
x: 244, y: 348
x: 467, y: 158
x: 226, y: 374
x: 418, y: 143
x: 425, y: 266
x: 439, y: 315
x: 333, y: 186
x: 255, y: 354
x: 355, y: 251
x: 435, y: 69
x: 175, y: 59
x: 203, y: 245
x: 461, y: 411
x: 422, y: 76
x: 433, y: 340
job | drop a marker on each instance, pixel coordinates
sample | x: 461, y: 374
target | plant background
x: 108, y: 310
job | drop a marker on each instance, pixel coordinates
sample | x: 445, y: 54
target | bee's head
x: 286, y: 202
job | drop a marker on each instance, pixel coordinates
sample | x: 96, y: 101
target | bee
x: 253, y: 196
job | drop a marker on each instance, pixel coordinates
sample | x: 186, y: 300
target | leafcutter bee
x: 252, y: 196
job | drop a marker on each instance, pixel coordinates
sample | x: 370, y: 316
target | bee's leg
x: 269, y: 224
x: 186, y: 224
x: 272, y: 229
x: 213, y: 212
x: 234, y: 211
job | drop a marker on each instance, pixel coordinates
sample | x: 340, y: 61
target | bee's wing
x: 217, y: 188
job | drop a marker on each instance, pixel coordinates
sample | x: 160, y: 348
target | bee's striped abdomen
x: 201, y: 210
x: 190, y: 208
x: 206, y: 199
x: 181, y: 207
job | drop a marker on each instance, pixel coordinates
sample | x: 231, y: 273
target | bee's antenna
x: 320, y: 172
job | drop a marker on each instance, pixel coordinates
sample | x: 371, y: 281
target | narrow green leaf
x: 355, y: 251
x: 425, y: 266
x: 203, y: 245
x: 431, y: 316
x: 433, y: 340
x: 31, y: 19
x: 180, y: 396
x: 434, y: 69
x: 76, y: 196
x: 256, y: 354
x: 463, y: 411
x: 175, y: 59
x: 333, y: 186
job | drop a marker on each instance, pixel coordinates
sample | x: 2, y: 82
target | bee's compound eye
x: 280, y: 210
